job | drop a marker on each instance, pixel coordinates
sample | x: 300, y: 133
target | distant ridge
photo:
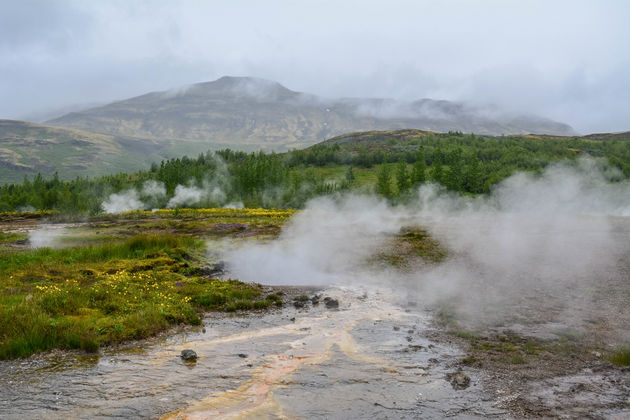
x: 252, y: 113
x: 27, y: 149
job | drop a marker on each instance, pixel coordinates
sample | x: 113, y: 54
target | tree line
x: 390, y: 166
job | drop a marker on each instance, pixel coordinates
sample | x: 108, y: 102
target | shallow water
x: 369, y: 359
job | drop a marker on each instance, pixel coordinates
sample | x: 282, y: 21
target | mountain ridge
x: 264, y: 113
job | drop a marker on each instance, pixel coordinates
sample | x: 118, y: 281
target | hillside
x: 391, y: 163
x: 249, y: 113
x: 393, y: 139
x: 27, y: 149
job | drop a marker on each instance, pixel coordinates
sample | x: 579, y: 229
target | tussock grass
x: 135, y: 247
x: 87, y: 296
x: 620, y: 357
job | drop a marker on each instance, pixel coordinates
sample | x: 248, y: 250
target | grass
x: 423, y: 244
x: 621, y: 357
x: 410, y: 245
x: 122, y: 283
x: 137, y: 247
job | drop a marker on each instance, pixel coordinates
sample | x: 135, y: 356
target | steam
x: 555, y: 234
x: 185, y: 196
x: 322, y: 245
x: 211, y: 192
x: 122, y: 201
x: 189, y: 196
x: 152, y: 192
x: 46, y: 236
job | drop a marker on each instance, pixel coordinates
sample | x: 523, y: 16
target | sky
x: 568, y: 60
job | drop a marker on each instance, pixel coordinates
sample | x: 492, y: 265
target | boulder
x: 188, y: 355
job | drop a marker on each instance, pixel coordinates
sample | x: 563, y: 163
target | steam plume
x: 553, y: 234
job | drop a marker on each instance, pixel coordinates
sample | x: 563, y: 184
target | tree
x: 474, y: 183
x: 350, y: 175
x: 454, y: 177
x: 402, y: 177
x: 383, y: 182
x: 437, y: 172
x: 418, y: 174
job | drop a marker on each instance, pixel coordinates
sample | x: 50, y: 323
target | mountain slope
x: 255, y: 113
x: 28, y: 148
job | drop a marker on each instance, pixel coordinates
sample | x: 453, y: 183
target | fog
x: 557, y: 234
x: 565, y: 59
x: 47, y: 236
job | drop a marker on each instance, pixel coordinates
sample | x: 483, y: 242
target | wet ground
x: 373, y: 357
x: 367, y: 359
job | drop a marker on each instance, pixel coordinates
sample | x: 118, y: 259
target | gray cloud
x: 564, y: 59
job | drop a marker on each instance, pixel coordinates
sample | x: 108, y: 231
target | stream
x: 369, y: 358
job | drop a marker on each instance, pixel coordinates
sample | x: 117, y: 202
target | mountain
x: 250, y: 113
x: 27, y: 149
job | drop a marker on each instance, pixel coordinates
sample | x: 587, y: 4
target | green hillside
x: 391, y: 163
x: 27, y: 149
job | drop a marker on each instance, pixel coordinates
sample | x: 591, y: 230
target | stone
x: 331, y: 303
x: 188, y: 355
x: 458, y: 380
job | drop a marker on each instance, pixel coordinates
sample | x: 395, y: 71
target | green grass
x: 620, y: 357
x: 136, y: 247
x: 113, y: 288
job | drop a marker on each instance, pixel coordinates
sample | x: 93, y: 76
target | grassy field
x: 112, y: 279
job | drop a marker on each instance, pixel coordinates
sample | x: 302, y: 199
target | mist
x: 556, y: 233
x: 47, y: 236
x: 565, y: 60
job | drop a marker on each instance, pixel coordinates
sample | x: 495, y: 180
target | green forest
x: 391, y: 164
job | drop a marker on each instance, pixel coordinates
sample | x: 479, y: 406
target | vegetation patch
x: 115, y: 288
x: 391, y: 163
x: 410, y: 246
x: 620, y: 357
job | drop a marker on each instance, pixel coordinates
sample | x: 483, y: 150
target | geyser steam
x: 555, y: 233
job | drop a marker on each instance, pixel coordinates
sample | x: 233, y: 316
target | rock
x: 188, y: 355
x: 396, y: 328
x: 458, y: 380
x: 242, y: 355
x: 315, y: 300
x: 331, y: 303
x: 210, y: 271
x: 299, y: 304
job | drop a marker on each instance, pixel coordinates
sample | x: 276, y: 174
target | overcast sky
x: 564, y: 59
